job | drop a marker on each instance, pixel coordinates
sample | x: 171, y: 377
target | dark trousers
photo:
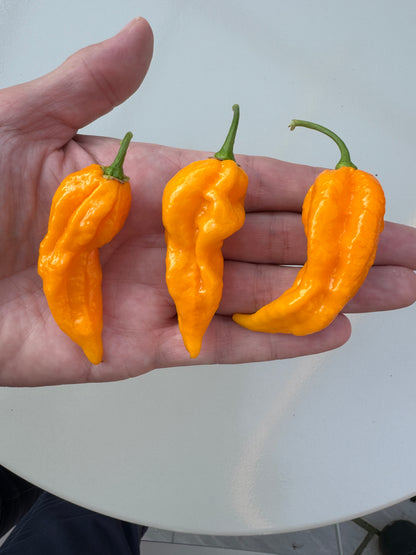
x: 53, y: 526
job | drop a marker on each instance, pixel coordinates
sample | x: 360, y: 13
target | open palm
x: 39, y: 146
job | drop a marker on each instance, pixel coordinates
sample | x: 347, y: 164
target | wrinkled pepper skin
x: 202, y: 205
x: 342, y: 215
x: 88, y: 209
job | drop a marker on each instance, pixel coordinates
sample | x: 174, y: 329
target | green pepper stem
x: 115, y: 171
x: 345, y: 160
x: 226, y: 151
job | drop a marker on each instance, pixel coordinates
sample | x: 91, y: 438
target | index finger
x: 275, y: 185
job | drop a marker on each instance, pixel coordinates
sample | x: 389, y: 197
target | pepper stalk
x: 115, y: 171
x: 345, y: 160
x: 226, y: 151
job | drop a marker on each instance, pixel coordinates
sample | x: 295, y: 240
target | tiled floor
x: 358, y: 537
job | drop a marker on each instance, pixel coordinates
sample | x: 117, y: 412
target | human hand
x: 40, y: 146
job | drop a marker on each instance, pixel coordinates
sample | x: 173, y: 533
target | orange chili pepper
x: 88, y: 209
x: 343, y: 217
x: 202, y: 205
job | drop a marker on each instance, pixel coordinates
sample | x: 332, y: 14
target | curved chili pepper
x: 202, y: 205
x: 88, y: 209
x: 343, y: 217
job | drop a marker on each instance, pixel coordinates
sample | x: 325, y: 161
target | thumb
x: 89, y: 84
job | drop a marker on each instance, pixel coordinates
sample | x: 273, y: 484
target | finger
x: 86, y: 86
x: 268, y: 237
x: 273, y: 185
x: 397, y: 246
x: 276, y: 185
x: 385, y: 288
x: 248, y: 287
x: 279, y: 238
x: 225, y: 342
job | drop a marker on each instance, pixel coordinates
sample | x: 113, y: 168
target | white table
x: 253, y: 448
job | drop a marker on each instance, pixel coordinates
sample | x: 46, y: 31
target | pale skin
x: 40, y: 145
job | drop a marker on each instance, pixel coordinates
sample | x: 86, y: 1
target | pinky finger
x: 225, y: 342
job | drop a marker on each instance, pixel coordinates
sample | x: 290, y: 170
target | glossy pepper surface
x: 342, y: 215
x: 202, y: 205
x: 88, y: 209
